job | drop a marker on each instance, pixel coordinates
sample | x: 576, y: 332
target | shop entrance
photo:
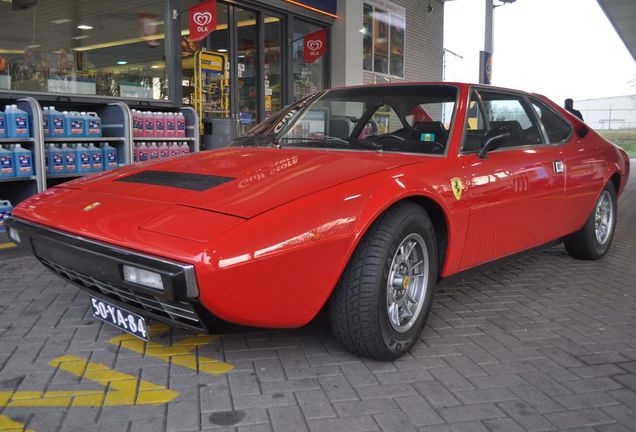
x: 260, y: 71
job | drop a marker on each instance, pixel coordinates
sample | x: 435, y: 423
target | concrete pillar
x: 346, y: 44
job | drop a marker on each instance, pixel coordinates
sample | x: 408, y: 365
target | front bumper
x: 96, y: 267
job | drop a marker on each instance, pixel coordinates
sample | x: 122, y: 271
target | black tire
x: 584, y: 243
x: 359, y: 305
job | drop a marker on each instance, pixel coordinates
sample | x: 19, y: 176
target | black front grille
x: 176, y: 311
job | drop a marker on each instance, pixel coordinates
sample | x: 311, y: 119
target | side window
x: 555, y: 126
x: 510, y: 111
x: 475, y: 126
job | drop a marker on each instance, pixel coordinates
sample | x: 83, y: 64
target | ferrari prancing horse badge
x: 457, y: 186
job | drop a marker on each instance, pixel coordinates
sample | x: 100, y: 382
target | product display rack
x: 192, y: 129
x: 17, y: 189
x: 117, y: 131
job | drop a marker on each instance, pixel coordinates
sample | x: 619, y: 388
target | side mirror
x: 494, y: 138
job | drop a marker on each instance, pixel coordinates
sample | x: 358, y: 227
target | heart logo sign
x: 314, y: 45
x: 202, y: 18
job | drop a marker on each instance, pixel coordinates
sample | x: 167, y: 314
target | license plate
x: 120, y: 318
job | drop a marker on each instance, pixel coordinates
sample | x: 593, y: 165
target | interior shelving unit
x: 16, y: 189
x: 116, y: 119
x: 116, y: 131
x: 192, y: 129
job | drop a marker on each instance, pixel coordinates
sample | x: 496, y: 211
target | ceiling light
x: 122, y: 62
x: 155, y: 67
x: 60, y: 21
x: 85, y: 27
x: 80, y: 37
x: 33, y: 46
x: 222, y: 50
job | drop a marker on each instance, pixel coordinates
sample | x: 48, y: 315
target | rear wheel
x: 594, y: 239
x: 380, y: 305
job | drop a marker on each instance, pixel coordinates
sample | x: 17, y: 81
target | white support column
x: 346, y: 44
x: 489, y: 26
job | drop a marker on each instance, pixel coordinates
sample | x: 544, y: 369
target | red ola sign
x: 202, y: 20
x: 314, y: 46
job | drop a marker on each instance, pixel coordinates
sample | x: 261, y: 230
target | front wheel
x: 380, y: 305
x: 593, y: 240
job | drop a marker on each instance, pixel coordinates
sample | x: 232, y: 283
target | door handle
x: 559, y: 167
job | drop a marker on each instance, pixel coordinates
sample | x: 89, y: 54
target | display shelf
x: 17, y: 179
x: 192, y: 128
x: 83, y: 139
x: 116, y: 131
x: 16, y: 189
x: 145, y: 139
x: 16, y: 140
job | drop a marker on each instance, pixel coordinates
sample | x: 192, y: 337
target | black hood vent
x: 179, y: 180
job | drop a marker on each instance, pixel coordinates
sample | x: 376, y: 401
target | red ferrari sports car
x: 360, y: 199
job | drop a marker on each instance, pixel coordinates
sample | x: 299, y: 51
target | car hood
x: 241, y: 182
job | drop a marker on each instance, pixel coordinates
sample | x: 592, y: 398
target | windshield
x: 401, y: 118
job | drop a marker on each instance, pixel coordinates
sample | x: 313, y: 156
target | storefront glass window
x: 247, y: 64
x: 308, y: 77
x: 273, y: 65
x: 384, y: 27
x: 208, y: 88
x: 113, y: 48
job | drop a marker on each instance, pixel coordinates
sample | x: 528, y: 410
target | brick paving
x: 540, y: 344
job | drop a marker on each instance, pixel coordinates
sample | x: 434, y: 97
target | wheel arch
x: 440, y: 224
x: 435, y: 211
x: 616, y: 181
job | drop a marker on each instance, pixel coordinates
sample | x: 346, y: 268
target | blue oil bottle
x: 3, y: 125
x: 5, y: 213
x: 97, y: 162
x: 6, y: 163
x: 56, y: 123
x: 70, y: 158
x: 22, y: 161
x: 55, y: 160
x: 93, y: 124
x: 109, y: 156
x: 83, y: 157
x: 17, y: 122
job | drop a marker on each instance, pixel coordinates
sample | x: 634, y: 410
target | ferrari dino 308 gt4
x: 359, y: 199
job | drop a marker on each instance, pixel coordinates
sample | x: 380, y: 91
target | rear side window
x: 555, y: 126
x: 511, y: 112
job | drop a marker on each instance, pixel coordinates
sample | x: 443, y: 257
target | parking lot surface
x: 538, y: 344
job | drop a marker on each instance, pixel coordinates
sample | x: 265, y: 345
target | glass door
x: 247, y: 68
x: 273, y: 64
x: 308, y: 78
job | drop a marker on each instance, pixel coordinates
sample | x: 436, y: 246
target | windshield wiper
x: 325, y: 141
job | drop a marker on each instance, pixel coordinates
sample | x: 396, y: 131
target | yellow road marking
x: 121, y: 389
x: 7, y: 246
x: 8, y: 425
x: 180, y: 353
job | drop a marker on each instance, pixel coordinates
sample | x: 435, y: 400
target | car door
x: 515, y: 192
x: 583, y: 164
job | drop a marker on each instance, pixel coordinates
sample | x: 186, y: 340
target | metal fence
x: 609, y: 118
